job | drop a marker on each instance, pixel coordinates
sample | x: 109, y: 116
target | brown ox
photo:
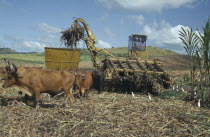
x: 84, y: 81
x: 40, y: 81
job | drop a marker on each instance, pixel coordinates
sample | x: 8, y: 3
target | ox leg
x: 69, y: 95
x: 83, y: 92
x: 37, y: 98
x: 80, y: 91
x: 86, y: 92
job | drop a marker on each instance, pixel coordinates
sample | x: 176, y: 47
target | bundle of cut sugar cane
x: 71, y: 36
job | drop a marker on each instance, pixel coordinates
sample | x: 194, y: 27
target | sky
x: 31, y: 25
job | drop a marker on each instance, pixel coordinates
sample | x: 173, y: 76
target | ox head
x: 11, y: 76
x: 3, y: 71
x: 79, y: 77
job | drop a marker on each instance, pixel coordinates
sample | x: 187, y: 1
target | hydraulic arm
x: 90, y: 40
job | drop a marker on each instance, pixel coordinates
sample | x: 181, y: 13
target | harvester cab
x: 137, y: 46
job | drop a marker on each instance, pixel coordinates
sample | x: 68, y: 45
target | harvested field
x: 104, y: 114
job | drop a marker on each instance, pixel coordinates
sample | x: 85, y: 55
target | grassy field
x: 39, y: 58
x: 35, y: 58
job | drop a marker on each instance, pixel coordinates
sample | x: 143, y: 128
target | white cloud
x: 109, y: 33
x: 33, y: 46
x: 81, y: 44
x: 103, y: 44
x: 44, y: 27
x: 145, y: 5
x: 138, y: 19
x: 51, y: 36
x: 164, y: 35
x: 22, y: 45
x: 52, y: 40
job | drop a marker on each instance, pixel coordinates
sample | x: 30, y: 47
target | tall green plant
x: 190, y: 42
x: 204, y: 39
x: 198, y: 47
x: 204, y: 61
x: 198, y: 56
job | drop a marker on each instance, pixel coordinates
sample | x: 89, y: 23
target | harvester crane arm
x: 111, y: 74
x: 90, y: 40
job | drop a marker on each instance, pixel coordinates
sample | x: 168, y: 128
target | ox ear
x: 77, y: 70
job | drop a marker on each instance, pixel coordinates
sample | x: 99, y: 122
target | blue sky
x: 31, y: 25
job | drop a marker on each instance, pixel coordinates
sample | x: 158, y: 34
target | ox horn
x: 15, y: 67
x: 7, y: 65
x: 7, y: 62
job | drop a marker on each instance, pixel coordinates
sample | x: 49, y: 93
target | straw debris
x: 106, y: 114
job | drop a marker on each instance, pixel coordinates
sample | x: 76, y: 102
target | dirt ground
x: 105, y: 114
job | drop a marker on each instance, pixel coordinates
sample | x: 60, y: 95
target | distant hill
x: 7, y: 51
x: 123, y: 51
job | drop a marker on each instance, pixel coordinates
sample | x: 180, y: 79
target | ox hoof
x: 37, y: 107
